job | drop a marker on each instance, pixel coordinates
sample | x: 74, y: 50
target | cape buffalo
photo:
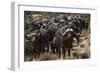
x: 40, y: 41
x: 64, y: 39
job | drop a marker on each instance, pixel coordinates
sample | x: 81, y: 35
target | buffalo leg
x: 77, y: 38
x: 47, y: 48
x: 53, y: 49
x: 38, y: 53
x: 64, y: 52
x: 69, y: 51
x: 59, y: 53
x: 35, y: 53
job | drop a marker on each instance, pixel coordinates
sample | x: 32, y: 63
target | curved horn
x: 66, y: 31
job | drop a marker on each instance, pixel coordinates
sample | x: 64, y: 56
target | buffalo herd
x: 55, y: 35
